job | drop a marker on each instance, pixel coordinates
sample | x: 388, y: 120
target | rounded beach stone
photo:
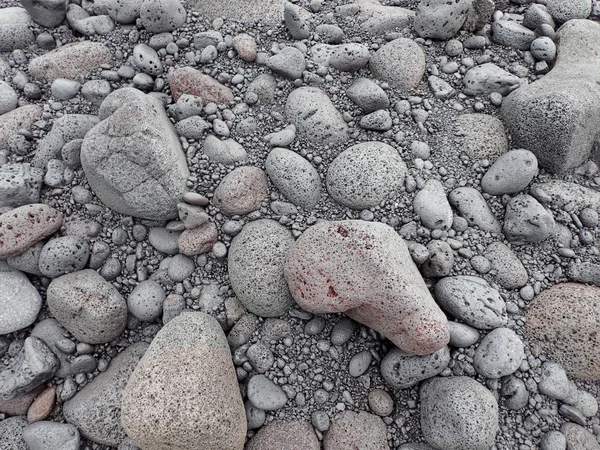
x: 280, y: 435
x: 512, y: 172
x: 63, y: 255
x: 256, y: 264
x: 51, y: 435
x: 264, y: 394
x: 578, y: 438
x: 366, y: 174
x: 184, y: 391
x: 482, y: 136
x: 241, y: 191
x: 88, y: 306
x: 20, y: 302
x: 343, y: 266
x: 198, y: 240
x: 350, y: 430
x: 564, y: 321
x: 499, y: 354
x: 401, y: 370
x: 159, y: 16
x: 380, y: 402
x: 401, y: 63
x: 458, y: 413
x: 146, y: 300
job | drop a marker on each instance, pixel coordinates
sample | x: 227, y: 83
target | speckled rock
x: 23, y: 227
x: 473, y: 207
x: 11, y: 433
x: 159, y: 16
x: 63, y: 255
x: 437, y: 19
x: 401, y: 63
x: 432, y: 207
x: 366, y: 174
x: 511, y: 173
x: 527, y: 221
x: 187, y: 80
x: 95, y: 410
x: 256, y: 267
x: 20, y: 302
x: 341, y: 266
x: 48, y: 435
x: 241, y: 191
x: 20, y: 118
x: 350, y: 430
x: 482, y: 136
x: 578, y: 438
x: 184, y: 392
x: 20, y: 184
x: 499, y: 354
x: 198, y: 240
x: 401, y: 370
x: 564, y: 321
x: 88, y: 306
x: 280, y: 435
x: 507, y: 269
x: 458, y: 413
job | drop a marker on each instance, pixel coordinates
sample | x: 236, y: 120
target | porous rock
x: 280, y: 435
x: 350, y: 430
x: 401, y: 63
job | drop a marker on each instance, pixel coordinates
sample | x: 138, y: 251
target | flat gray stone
x: 511, y: 172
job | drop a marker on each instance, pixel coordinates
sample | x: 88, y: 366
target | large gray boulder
x: 133, y: 159
x: 558, y: 116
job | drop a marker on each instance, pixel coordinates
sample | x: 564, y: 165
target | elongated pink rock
x: 365, y: 270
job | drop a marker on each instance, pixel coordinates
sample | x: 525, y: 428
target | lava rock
x: 402, y: 371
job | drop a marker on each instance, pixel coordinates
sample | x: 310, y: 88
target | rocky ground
x: 293, y: 226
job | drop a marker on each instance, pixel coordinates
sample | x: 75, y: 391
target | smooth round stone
x: 349, y: 57
x: 46, y: 435
x: 512, y: 172
x: 461, y: 335
x: 29, y: 261
x: 553, y: 440
x: 401, y: 370
x: 146, y: 300
x: 360, y: 363
x: 255, y: 417
x: 499, y: 354
x: 380, y: 402
x: 64, y: 89
x: 320, y: 420
x: 8, y: 98
x: 342, y: 331
x: 20, y: 302
x: 164, y: 241
x: 543, y: 48
x: 159, y: 16
x: 180, y: 268
x: 314, y: 326
x: 514, y: 392
x: 260, y: 356
x: 264, y: 394
x: 63, y: 255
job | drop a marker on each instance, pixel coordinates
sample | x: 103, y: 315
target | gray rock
x: 158, y: 16
x: 440, y: 260
x: 572, y: 414
x: 377, y: 121
x: 512, y: 172
x: 499, y: 354
x: 20, y: 302
x: 360, y: 363
x: 537, y: 15
x: 289, y: 63
x: 255, y: 417
x: 553, y: 440
x: 51, y: 332
x: 95, y: 91
x: 11, y: 433
x: 48, y: 13
x: 554, y: 382
x: 260, y: 356
x: 401, y: 370
x: 472, y: 300
x: 294, y: 23
x: 164, y: 241
x: 20, y: 184
x: 432, y: 207
x: 380, y: 402
x: 314, y: 326
x: 187, y: 105
x: 241, y: 191
x: 527, y: 221
x: 242, y: 331
x: 263, y: 87
x: 512, y: 34
x: 349, y: 57
x: 482, y: 136
x: 194, y: 128
x: 578, y: 437
x: 472, y: 206
x: 80, y: 20
x: 14, y: 35
x: 330, y: 34
x: 173, y: 305
x: 458, y: 413
x: 564, y: 10
x: 368, y: 95
x: 88, y: 306
x: 514, y: 392
x: 148, y: 186
x: 479, y: 15
x: 585, y: 403
x: 225, y: 152
x: 294, y: 177
x: 351, y: 430
x: 264, y: 394
x: 437, y: 19
x: 95, y: 410
x: 565, y: 195
x: 315, y: 117
x: 63, y: 255
x: 488, y: 78
x: 28, y: 261
x: 342, y: 331
x: 146, y: 300
x: 124, y: 11
x: 8, y: 97
x: 400, y: 62
x: 146, y: 59
x: 543, y: 48
x: 585, y: 272
x: 48, y: 435
x: 180, y: 268
x: 64, y: 89
x: 255, y: 265
x: 32, y: 367
x: 507, y: 270
x: 366, y: 174
x: 567, y: 95
x: 461, y: 335
x: 441, y: 89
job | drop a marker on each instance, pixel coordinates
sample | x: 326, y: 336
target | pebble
x: 51, y: 435
x: 553, y: 440
x: 512, y: 172
x: 360, y: 363
x: 432, y: 207
x: 342, y: 331
x: 289, y: 63
x: 380, y: 402
x: 63, y: 255
x: 402, y: 371
x: 499, y: 353
x: 146, y: 300
x: 260, y: 356
x: 164, y: 241
x: 314, y: 326
x: 349, y: 57
x: 543, y: 49
x: 368, y: 95
x: 241, y: 191
x: 20, y: 302
x: 472, y: 206
x: 514, y: 392
x: 146, y: 59
x: 8, y: 98
x: 264, y: 394
x: 526, y: 220
x: 400, y: 62
x: 462, y: 335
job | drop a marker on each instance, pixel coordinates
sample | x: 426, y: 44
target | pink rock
x: 365, y: 270
x: 18, y: 406
x: 241, y: 191
x: 22, y: 227
x: 187, y: 80
x: 42, y: 406
x: 198, y: 240
x: 245, y: 46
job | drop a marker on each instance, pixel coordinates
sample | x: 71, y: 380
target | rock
x: 578, y: 438
x: 507, y: 269
x: 553, y: 440
x: 21, y: 228
x: 124, y: 12
x: 224, y: 152
x: 14, y: 32
x: 440, y: 260
x: 400, y: 62
x: 199, y: 240
x: 368, y: 95
x: 146, y: 300
x: 554, y: 382
x: 585, y: 403
x: 20, y: 184
x: 366, y: 174
x: 245, y: 46
x: 563, y: 320
x: 376, y: 20
x: 187, y: 364
x: 565, y: 195
x: 294, y: 177
x: 360, y: 363
x: 380, y: 402
x: 35, y: 365
x: 11, y: 433
x: 256, y: 265
x: 20, y: 302
x: 472, y: 206
x: 269, y: 11
x: 81, y: 21
x: 461, y: 335
x: 159, y: 16
x: 350, y: 430
x: 565, y: 10
x: 499, y: 354
x: 263, y: 88
x: 482, y: 136
x: 187, y: 80
x: 43, y: 405
x: 280, y: 435
x: 377, y: 121
x: 401, y: 370
x: 164, y: 241
x: 441, y: 89
x: 88, y: 306
x: 95, y: 410
x: 472, y: 300
x: 29, y: 261
x: 578, y: 67
x: 341, y: 266
x: 349, y: 57
x: 488, y: 78
x: 537, y: 15
x: 512, y: 34
x: 63, y: 255
x: 512, y: 172
x: 72, y: 61
x: 330, y: 34
x: 514, y: 392
x: 48, y: 13
x: 51, y: 436
x: 288, y: 63
x: 51, y: 332
x: 264, y: 394
x: 437, y: 19
x: 294, y: 23
x: 458, y: 413
x: 527, y: 221
x: 64, y: 89
x: 260, y: 356
x: 432, y: 207
x: 315, y: 117
x: 19, y: 405
x: 479, y: 15
x: 543, y: 48
x: 342, y: 331
x: 8, y: 98
x: 585, y: 272
x: 241, y: 191
x: 147, y: 60
x: 194, y: 128
x: 133, y: 159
